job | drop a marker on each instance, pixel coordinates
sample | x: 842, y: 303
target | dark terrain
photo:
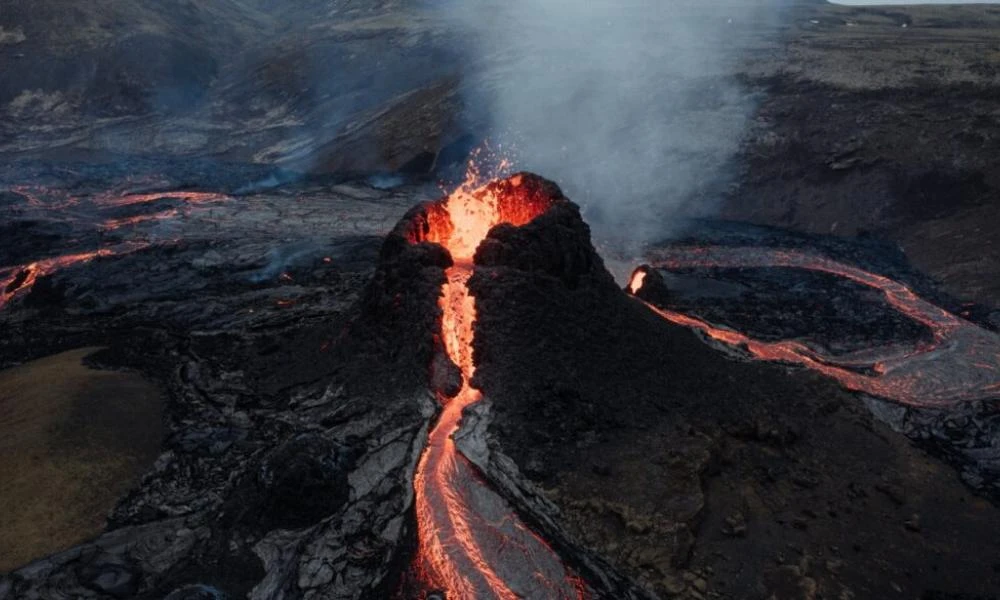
x: 292, y: 331
x: 879, y: 120
x: 741, y: 478
x: 867, y: 126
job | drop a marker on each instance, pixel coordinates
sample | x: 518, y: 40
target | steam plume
x: 631, y: 106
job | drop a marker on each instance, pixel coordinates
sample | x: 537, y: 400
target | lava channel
x: 18, y: 280
x: 472, y: 545
x: 961, y: 364
x: 189, y: 199
x: 133, y: 199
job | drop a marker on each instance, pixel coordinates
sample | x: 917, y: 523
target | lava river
x: 18, y: 280
x: 961, y: 364
x: 471, y: 542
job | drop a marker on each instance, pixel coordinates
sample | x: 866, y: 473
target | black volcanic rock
x: 298, y: 483
x: 648, y: 440
x: 400, y: 303
x: 446, y: 377
x: 293, y: 429
x: 110, y: 574
x: 556, y: 244
x: 195, y: 592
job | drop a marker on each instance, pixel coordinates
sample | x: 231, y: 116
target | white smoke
x: 630, y: 106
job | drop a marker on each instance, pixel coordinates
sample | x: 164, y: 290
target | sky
x: 884, y: 2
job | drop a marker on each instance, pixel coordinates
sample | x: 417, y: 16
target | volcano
x: 463, y: 548
x: 518, y: 239
x: 488, y: 414
x: 259, y: 341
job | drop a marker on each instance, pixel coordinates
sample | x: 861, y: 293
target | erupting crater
x: 471, y: 543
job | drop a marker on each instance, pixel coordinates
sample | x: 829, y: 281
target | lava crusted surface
x: 295, y: 415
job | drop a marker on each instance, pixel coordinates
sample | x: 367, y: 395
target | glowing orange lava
x: 112, y: 224
x: 52, y: 203
x: 962, y: 363
x: 189, y: 198
x: 132, y: 199
x: 19, y: 279
x: 635, y: 283
x: 471, y: 544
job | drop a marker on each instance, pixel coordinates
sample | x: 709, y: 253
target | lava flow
x: 189, y: 199
x: 58, y: 205
x: 471, y: 543
x: 20, y: 279
x: 962, y: 363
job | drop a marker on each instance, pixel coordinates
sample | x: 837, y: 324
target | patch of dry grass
x: 73, y: 440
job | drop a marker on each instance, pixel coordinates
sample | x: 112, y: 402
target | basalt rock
x: 637, y: 451
x: 646, y: 440
x: 556, y: 244
x: 196, y: 592
x: 302, y: 481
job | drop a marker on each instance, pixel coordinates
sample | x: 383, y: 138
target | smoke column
x: 631, y: 106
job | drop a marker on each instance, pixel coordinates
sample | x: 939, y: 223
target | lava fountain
x: 961, y: 364
x: 471, y: 542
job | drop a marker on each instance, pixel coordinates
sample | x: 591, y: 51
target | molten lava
x: 471, y: 543
x: 636, y: 281
x: 52, y: 204
x: 18, y: 280
x: 57, y: 204
x: 189, y: 198
x: 133, y: 199
x: 962, y: 363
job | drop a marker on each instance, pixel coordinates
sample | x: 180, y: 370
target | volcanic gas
x: 471, y: 544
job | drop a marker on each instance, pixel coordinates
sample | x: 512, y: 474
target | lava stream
x: 471, y: 543
x: 189, y: 198
x: 112, y: 224
x: 59, y: 205
x: 19, y: 279
x: 132, y: 199
x: 963, y: 362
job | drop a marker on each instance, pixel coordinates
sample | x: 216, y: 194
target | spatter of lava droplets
x: 961, y: 364
x: 472, y: 545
